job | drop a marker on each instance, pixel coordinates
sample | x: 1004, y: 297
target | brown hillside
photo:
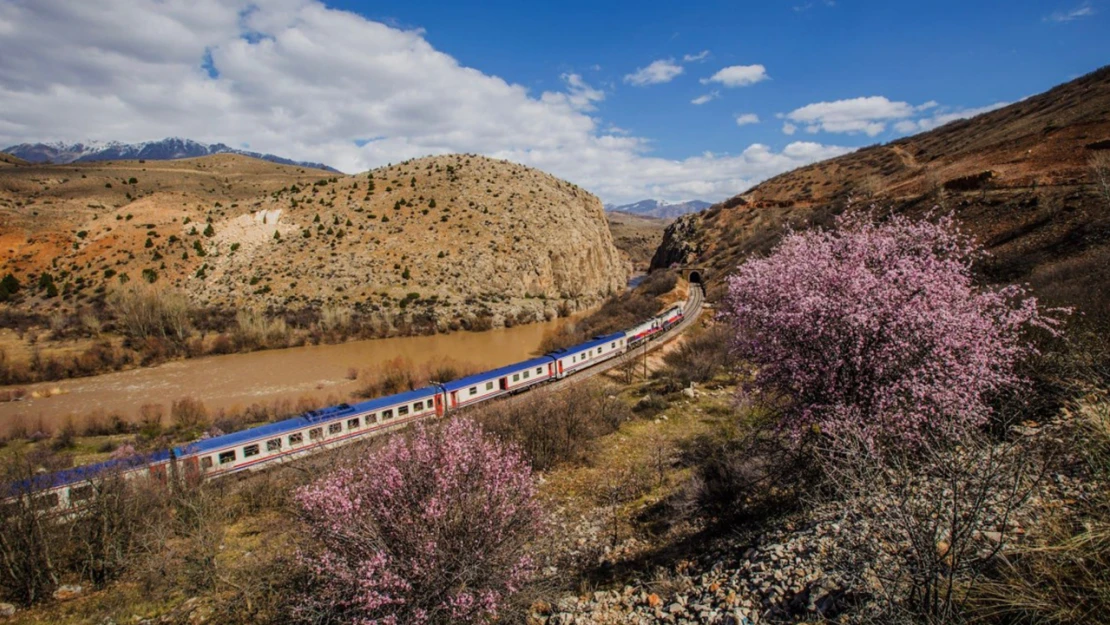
x: 1019, y: 178
x: 7, y: 160
x: 444, y: 237
x: 636, y: 236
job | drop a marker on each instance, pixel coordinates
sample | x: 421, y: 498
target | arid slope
x: 445, y: 237
x: 1019, y: 178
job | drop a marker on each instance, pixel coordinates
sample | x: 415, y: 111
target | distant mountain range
x: 164, y: 150
x: 659, y: 208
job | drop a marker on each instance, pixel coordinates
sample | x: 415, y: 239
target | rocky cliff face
x: 447, y: 239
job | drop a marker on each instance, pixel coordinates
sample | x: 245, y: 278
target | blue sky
x: 617, y: 97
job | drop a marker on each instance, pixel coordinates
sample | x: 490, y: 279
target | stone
x: 6, y: 610
x: 66, y: 592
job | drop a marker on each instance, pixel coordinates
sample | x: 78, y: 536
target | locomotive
x: 333, y: 426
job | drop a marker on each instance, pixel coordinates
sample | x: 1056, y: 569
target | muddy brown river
x: 233, y: 382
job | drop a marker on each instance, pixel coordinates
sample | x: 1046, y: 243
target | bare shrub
x: 748, y: 472
x: 1100, y: 172
x: 401, y: 374
x: 699, y: 358
x: 115, y: 526
x: 335, y: 318
x: 188, y: 414
x: 931, y: 523
x: 144, y: 312
x: 254, y: 330
x: 1060, y: 573
x: 112, y: 529
x: 556, y: 427
x: 27, y: 540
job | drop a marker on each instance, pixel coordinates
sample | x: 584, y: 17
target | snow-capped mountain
x: 660, y: 208
x: 164, y: 150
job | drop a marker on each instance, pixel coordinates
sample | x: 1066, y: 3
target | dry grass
x: 1061, y: 573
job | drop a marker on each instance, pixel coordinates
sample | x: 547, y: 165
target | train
x: 274, y: 443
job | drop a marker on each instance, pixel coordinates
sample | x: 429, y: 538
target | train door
x: 192, y: 471
x: 560, y: 361
x: 158, y: 472
x: 454, y: 399
x: 550, y: 369
x: 504, y: 383
x: 439, y: 404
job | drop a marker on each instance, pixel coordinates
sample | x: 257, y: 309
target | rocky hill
x: 164, y: 150
x: 1023, y: 179
x: 445, y: 239
x: 659, y: 208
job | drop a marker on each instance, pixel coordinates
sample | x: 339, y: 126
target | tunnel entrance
x: 695, y: 277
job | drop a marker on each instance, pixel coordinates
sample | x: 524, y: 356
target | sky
x: 630, y: 100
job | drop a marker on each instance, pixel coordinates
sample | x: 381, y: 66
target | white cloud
x: 661, y: 71
x: 702, y: 99
x: 870, y: 116
x: 867, y: 115
x: 942, y: 117
x: 579, y: 94
x: 1083, y: 10
x: 738, y: 76
x: 295, y: 78
x: 692, y: 58
x: 747, y: 118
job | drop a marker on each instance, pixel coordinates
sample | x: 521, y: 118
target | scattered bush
x: 556, y: 428
x: 429, y: 529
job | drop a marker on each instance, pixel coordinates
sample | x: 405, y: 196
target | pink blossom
x: 878, y: 329
x: 430, y: 528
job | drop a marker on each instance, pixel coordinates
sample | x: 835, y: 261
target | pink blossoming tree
x: 429, y: 529
x: 878, y: 330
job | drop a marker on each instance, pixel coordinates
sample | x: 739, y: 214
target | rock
x: 66, y: 592
x: 676, y: 608
x: 654, y: 601
x: 6, y: 610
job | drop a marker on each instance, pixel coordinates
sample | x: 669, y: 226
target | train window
x: 353, y: 424
x: 526, y: 374
x: 387, y: 414
x: 402, y: 411
x: 206, y: 462
x: 489, y: 386
x: 371, y: 418
x: 418, y: 406
x: 227, y: 456
x: 473, y: 390
x: 516, y: 377
x: 45, y: 502
x: 296, y: 439
x: 335, y: 428
x: 274, y: 444
x: 315, y: 434
x: 539, y: 370
x: 80, y: 493
x: 613, y: 346
x: 250, y: 450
